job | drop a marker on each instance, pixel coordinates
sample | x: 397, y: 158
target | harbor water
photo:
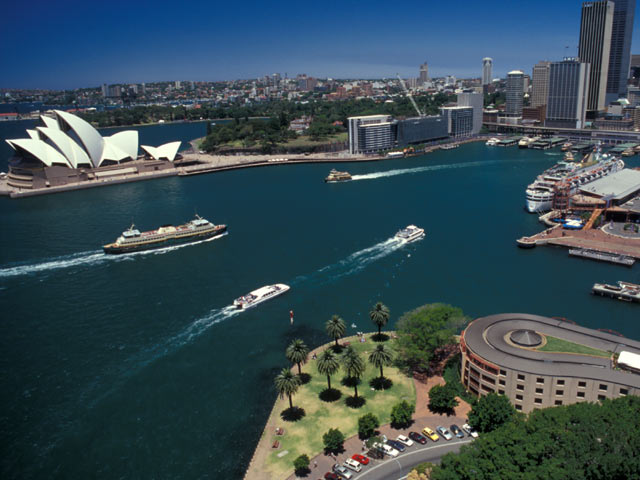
x: 137, y: 366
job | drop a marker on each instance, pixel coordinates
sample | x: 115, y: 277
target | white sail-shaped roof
x: 113, y: 153
x: 126, y: 141
x: 168, y: 151
x: 40, y: 150
x: 49, y: 122
x: 91, y: 140
x: 33, y: 134
x: 66, y: 145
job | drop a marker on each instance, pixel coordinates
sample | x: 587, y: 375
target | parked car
x: 342, y: 471
x: 408, y: 442
x: 353, y: 465
x: 360, y: 458
x: 455, y: 429
x: 427, y: 432
x: 416, y: 437
x: 331, y: 476
x: 397, y: 445
x: 470, y: 430
x: 392, y: 452
x: 376, y: 453
x: 444, y: 432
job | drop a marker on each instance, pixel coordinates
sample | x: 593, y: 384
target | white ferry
x: 409, y: 234
x: 492, y: 142
x: 541, y: 193
x: 260, y: 295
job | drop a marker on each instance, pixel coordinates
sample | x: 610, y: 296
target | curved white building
x: 66, y: 149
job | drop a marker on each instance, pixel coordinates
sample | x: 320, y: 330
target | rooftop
x: 487, y: 337
x: 617, y: 185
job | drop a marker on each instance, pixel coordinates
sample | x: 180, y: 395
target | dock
x: 547, y: 143
x: 602, y: 256
x: 583, y: 147
x: 509, y: 142
x: 627, y: 292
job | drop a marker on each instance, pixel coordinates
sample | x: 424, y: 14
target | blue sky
x: 68, y: 44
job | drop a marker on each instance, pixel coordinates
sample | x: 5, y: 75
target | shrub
x: 402, y: 414
x: 367, y: 425
x: 333, y: 441
x: 301, y: 465
x: 442, y: 398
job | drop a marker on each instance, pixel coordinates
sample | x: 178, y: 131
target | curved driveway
x: 400, y: 466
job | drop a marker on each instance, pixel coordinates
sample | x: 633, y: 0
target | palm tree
x: 380, y: 357
x: 328, y: 364
x: 379, y: 316
x: 297, y: 352
x: 353, y: 366
x: 287, y: 384
x: 336, y: 328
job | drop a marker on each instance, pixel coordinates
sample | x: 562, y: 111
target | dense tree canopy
x: 402, y: 414
x: 582, y: 441
x: 367, y: 425
x: 442, y: 398
x: 333, y: 441
x: 425, y: 330
x: 491, y: 412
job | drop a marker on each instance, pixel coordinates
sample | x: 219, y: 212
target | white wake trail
x: 429, y: 168
x: 92, y: 258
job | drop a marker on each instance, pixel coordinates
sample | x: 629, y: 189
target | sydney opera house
x: 66, y: 149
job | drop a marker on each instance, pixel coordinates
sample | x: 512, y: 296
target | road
x: 400, y: 466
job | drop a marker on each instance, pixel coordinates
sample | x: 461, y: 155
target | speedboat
x: 411, y: 233
x: 260, y: 295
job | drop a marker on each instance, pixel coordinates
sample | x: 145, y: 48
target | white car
x: 353, y: 465
x: 388, y: 449
x: 470, y: 430
x: 407, y: 441
x: 444, y: 432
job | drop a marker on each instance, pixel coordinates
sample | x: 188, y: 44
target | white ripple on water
x: 91, y: 258
x: 429, y: 168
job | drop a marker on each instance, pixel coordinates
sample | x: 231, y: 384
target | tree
x: 367, y: 425
x: 381, y: 356
x: 328, y: 364
x: 402, y: 414
x: 297, y: 352
x: 301, y: 465
x: 336, y: 328
x: 424, y: 331
x: 491, y: 411
x: 333, y: 441
x: 442, y: 398
x: 287, y: 384
x: 353, y: 366
x: 379, y: 316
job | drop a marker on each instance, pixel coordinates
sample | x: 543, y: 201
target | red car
x: 361, y: 459
x: 331, y: 476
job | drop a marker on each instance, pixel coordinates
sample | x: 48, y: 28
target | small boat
x: 566, y: 146
x: 260, y: 295
x: 568, y: 157
x: 411, y: 233
x: 492, y: 142
x: 629, y: 152
x: 336, y: 176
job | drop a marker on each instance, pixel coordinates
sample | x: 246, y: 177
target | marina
x: 625, y: 291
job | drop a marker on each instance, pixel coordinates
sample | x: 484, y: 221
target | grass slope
x: 305, y: 435
x: 558, y: 345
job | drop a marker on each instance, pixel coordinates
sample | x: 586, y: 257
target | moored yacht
x: 410, y: 233
x: 260, y: 295
x: 492, y: 142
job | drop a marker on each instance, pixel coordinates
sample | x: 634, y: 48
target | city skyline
x: 71, y: 47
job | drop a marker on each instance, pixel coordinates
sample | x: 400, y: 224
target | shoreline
x: 208, y: 163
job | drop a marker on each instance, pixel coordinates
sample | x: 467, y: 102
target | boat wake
x: 429, y: 168
x: 90, y: 259
x: 553, y: 154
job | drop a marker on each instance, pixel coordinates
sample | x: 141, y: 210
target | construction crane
x: 406, y: 90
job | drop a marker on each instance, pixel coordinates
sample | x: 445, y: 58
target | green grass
x: 305, y: 141
x: 305, y: 435
x: 558, y: 345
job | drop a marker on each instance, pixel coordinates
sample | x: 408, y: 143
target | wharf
x: 618, y: 149
x: 583, y: 147
x: 595, y: 240
x: 509, y: 142
x: 602, y: 256
x: 628, y: 292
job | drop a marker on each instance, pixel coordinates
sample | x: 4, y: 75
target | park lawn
x: 305, y: 140
x: 558, y: 345
x: 305, y: 435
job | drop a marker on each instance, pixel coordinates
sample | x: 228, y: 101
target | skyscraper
x: 594, y: 48
x: 515, y: 91
x: 474, y: 100
x: 620, y: 49
x: 424, y: 73
x: 567, y: 98
x: 540, y: 84
x: 487, y: 70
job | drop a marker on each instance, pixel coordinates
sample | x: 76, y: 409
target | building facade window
x: 503, y: 373
x: 519, y: 407
x: 558, y: 402
x: 624, y: 391
x: 560, y: 382
x: 538, y: 401
x: 521, y: 377
x: 539, y: 391
x: 518, y: 397
x: 601, y: 397
x: 559, y: 393
x: 582, y: 384
x: 539, y: 380
x: 501, y: 382
x: 501, y: 392
x: 603, y: 387
x: 580, y: 394
x: 520, y: 387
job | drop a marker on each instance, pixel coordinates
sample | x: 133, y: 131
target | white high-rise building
x: 540, y: 84
x: 370, y: 133
x: 476, y: 101
x: 487, y: 70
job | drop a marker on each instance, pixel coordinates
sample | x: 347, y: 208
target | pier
x: 628, y: 292
x: 602, y: 256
